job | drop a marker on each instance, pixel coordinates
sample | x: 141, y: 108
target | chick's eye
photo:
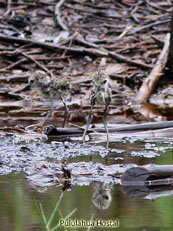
x: 31, y: 81
x: 104, y: 81
x: 63, y: 88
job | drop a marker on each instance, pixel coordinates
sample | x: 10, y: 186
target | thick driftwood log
x: 171, y: 45
x: 148, y: 175
x: 137, y: 127
x: 146, y: 89
x: 112, y: 129
x: 53, y: 131
x: 150, y: 193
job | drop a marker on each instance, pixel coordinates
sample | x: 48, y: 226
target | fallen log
x: 149, y: 83
x: 170, y: 63
x: 149, y: 193
x: 54, y: 131
x: 137, y: 127
x: 148, y: 175
x: 119, y: 128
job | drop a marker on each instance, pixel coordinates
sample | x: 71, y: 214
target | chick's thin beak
x: 96, y: 90
x: 30, y: 81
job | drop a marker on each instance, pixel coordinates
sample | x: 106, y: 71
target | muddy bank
x: 17, y: 157
x: 41, y: 159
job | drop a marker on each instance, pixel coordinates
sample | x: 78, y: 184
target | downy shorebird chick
x: 55, y: 89
x: 101, y: 95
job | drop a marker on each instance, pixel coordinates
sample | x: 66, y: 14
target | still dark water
x: 19, y: 203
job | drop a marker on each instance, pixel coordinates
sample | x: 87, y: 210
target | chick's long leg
x: 66, y: 113
x: 40, y: 124
x: 105, y: 123
x: 49, y: 112
x: 89, y: 120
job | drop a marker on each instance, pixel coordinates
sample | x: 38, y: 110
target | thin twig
x: 92, y: 51
x: 141, y: 28
x: 8, y: 7
x: 130, y: 61
x: 125, y: 31
x: 13, y: 9
x: 83, y: 129
x: 18, y: 51
x: 37, y: 63
x: 15, y: 79
x: 58, y: 15
x: 17, y: 63
x: 41, y: 44
x: 77, y: 126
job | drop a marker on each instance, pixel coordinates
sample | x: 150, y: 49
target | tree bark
x: 149, y: 83
x: 171, y: 44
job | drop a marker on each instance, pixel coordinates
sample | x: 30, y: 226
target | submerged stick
x: 148, y: 85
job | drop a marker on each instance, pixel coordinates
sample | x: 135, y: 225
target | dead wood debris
x: 149, y: 83
x: 148, y: 175
x: 148, y: 181
x: 58, y: 16
x: 150, y: 129
x: 71, y: 39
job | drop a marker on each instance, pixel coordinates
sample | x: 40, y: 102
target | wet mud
x: 41, y: 158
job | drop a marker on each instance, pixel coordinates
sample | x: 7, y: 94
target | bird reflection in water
x: 102, y: 196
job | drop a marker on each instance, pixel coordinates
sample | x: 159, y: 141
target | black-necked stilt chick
x: 55, y: 89
x: 101, y: 95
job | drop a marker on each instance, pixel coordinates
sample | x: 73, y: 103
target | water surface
x: 20, y: 199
